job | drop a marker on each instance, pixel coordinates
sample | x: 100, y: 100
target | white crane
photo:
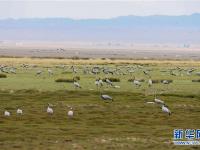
x: 6, y: 113
x: 165, y: 82
x: 106, y: 97
x: 97, y: 83
x: 12, y: 70
x: 49, y: 110
x: 50, y: 72
x: 158, y: 101
x: 70, y: 113
x: 136, y: 82
x: 150, y: 83
x: 166, y: 110
x: 77, y: 85
x: 100, y: 82
x: 19, y: 111
x: 109, y: 82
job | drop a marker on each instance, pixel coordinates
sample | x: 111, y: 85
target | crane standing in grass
x: 136, y: 82
x: 97, y: 83
x: 77, y: 85
x: 49, y: 110
x: 19, y: 111
x: 39, y: 72
x: 100, y: 82
x: 50, y: 72
x: 166, y: 110
x: 109, y: 82
x: 150, y: 82
x: 158, y: 101
x: 70, y: 113
x: 106, y: 97
x: 6, y: 113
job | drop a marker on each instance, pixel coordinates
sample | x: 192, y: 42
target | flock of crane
x: 121, y: 70
x: 49, y: 111
x: 96, y: 70
x: 104, y: 97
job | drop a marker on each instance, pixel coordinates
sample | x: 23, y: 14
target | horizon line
x: 77, y: 19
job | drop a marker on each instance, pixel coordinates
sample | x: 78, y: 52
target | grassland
x: 126, y: 123
x: 52, y: 61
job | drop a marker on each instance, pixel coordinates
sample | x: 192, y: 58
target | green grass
x: 126, y: 123
x: 26, y: 79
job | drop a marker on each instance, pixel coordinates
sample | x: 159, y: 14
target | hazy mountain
x: 174, y: 29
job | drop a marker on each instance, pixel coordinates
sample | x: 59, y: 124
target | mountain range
x: 147, y: 29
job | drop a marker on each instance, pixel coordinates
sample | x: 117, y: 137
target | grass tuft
x: 3, y: 75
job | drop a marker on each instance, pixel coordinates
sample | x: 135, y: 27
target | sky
x: 83, y: 9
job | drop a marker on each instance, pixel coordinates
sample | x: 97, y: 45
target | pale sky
x: 83, y: 9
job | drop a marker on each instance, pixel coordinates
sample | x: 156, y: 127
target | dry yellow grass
x: 54, y: 61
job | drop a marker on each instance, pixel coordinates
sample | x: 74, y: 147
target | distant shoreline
x: 124, y: 51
